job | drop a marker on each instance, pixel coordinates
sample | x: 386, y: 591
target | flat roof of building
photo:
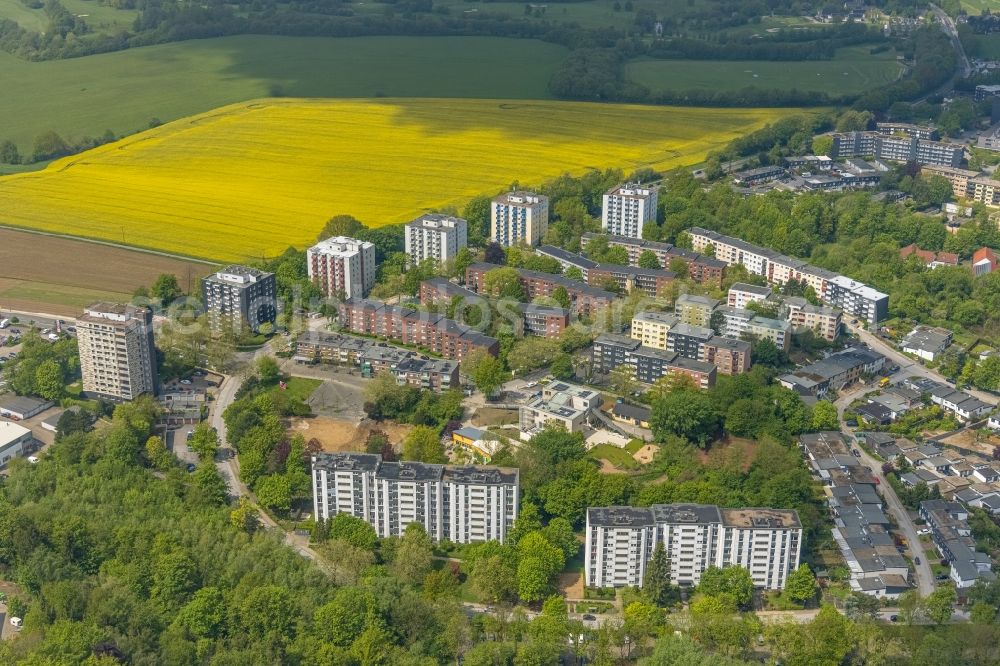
x: 341, y: 246
x: 759, y: 518
x: 751, y: 289
x: 687, y: 514
x: 23, y: 404
x: 620, y: 516
x: 665, y: 318
x: 566, y: 255
x: 695, y: 299
x: 347, y: 462
x: 11, y: 432
x: 409, y: 471
x: 478, y: 474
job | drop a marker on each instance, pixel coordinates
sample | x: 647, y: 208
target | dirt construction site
x: 343, y: 435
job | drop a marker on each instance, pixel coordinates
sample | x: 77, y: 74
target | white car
x: 531, y: 385
x: 33, y: 460
x: 16, y: 622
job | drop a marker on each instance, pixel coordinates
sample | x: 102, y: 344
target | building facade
x: 519, y: 218
x: 436, y: 237
x: 620, y: 542
x: 700, y: 268
x: 627, y: 208
x: 695, y: 310
x: 342, y: 266
x: 651, y: 328
x: 853, y: 297
x: 117, y: 355
x: 462, y: 504
x: 239, y: 297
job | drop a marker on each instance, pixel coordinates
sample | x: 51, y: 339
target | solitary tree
x: 656, y: 583
x: 648, y: 260
x: 801, y: 584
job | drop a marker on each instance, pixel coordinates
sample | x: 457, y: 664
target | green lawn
x: 852, y: 71
x: 299, y: 387
x: 100, y: 18
x: 122, y: 91
x: 620, y: 458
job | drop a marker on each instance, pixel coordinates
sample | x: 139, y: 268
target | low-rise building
x: 636, y: 415
x: 929, y: 258
x: 984, y: 261
x: 952, y: 536
x: 926, y: 342
x: 758, y: 176
x: 834, y: 372
x: 21, y: 407
x: 586, y: 300
x: 14, y: 439
x: 479, y: 442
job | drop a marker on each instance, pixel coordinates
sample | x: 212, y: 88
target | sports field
x: 253, y: 178
x: 122, y: 91
x: 854, y: 70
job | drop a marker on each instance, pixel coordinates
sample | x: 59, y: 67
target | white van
x: 4, y: 323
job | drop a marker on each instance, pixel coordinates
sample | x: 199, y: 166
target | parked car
x: 33, y: 460
x: 16, y: 622
x: 916, y: 560
x: 893, y: 618
x: 191, y: 467
x: 589, y: 617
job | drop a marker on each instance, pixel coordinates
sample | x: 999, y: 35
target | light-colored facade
x: 519, y: 217
x: 117, y: 356
x: 695, y: 310
x: 13, y: 439
x: 342, y: 266
x: 651, y: 328
x: 462, y: 504
x: 437, y: 237
x: 627, y: 208
x: 823, y: 321
x: 741, y: 294
x: 851, y: 296
x: 777, y: 331
x: 238, y: 297
x: 621, y: 540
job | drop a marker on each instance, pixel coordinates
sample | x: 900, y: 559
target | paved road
x: 923, y: 574
x: 909, y: 367
x: 964, y: 68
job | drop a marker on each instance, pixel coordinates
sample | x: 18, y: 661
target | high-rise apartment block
x: 342, y: 266
x: 620, y: 542
x: 437, y: 237
x: 519, y: 217
x: 626, y: 208
x: 238, y: 297
x: 463, y: 504
x: 117, y: 356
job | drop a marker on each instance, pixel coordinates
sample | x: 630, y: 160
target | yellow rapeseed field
x: 251, y: 179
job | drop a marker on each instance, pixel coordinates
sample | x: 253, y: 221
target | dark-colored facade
x: 586, y: 299
x: 650, y: 281
x: 238, y: 297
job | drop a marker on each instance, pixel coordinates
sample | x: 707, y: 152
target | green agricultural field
x: 122, y: 91
x: 977, y: 6
x: 852, y: 71
x: 100, y: 18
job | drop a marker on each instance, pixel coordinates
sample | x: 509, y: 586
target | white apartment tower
x: 519, y: 217
x: 620, y: 541
x: 626, y: 208
x: 461, y: 504
x: 117, y: 356
x: 342, y: 265
x: 437, y: 237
